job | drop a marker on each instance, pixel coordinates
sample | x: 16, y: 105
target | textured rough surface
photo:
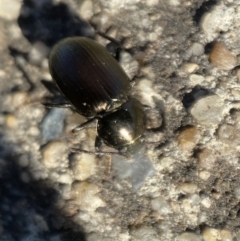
x: 185, y: 185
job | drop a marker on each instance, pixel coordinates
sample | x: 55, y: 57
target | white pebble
x: 151, y: 3
x: 204, y: 175
x: 190, y: 67
x: 236, y: 192
x: 206, y: 202
x: 188, y: 187
x: 208, y: 110
x: 144, y: 233
x: 9, y: 9
x: 225, y: 235
x: 84, y: 166
x: 220, y: 18
x: 86, y: 195
x: 160, y: 205
x: 188, y: 237
x: 166, y: 163
x: 196, y: 79
x: 210, y: 234
x: 86, y: 9
x: 53, y: 154
x: 65, y: 178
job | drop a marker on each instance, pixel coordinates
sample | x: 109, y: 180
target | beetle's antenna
x: 83, y: 125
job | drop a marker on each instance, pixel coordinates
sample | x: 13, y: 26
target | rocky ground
x: 183, y: 185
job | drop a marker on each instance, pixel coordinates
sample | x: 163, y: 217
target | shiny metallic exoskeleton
x: 97, y: 87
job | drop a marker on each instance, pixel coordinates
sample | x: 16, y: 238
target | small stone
x: 196, y: 49
x: 148, y: 71
x: 2, y: 73
x: 129, y: 64
x: 65, y: 178
x: 206, y: 159
x: 153, y: 118
x: 206, y: 202
x: 151, y: 3
x: 208, y: 110
x: 236, y: 94
x: 237, y: 73
x: 38, y: 53
x: 219, y: 18
x: 11, y: 121
x: 174, y: 3
x: 53, y: 153
x: 203, y: 217
x: 166, y: 163
x: 236, y: 192
x: 225, y: 235
x: 188, y: 138
x: 210, y: 234
x: 33, y: 131
x: 144, y: 233
x: 221, y: 57
x: 86, y: 9
x: 188, y: 187
x: 187, y: 236
x: 228, y: 134
x: 204, y: 175
x: 191, y: 208
x: 190, y: 67
x: 136, y: 169
x: 147, y: 91
x: 196, y: 79
x: 10, y: 9
x: 86, y: 194
x: 83, y: 166
x: 102, y: 20
x: 160, y: 205
x: 65, y: 192
x: 175, y: 207
x: 15, y: 31
x: 19, y: 98
x: 52, y: 124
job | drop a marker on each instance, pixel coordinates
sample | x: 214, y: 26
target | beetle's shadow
x: 49, y: 23
x: 29, y: 209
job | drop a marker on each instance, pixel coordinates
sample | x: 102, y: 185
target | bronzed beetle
x: 97, y: 87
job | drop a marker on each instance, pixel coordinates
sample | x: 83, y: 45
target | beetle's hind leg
x: 56, y: 105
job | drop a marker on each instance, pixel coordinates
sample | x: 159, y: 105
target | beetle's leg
x: 98, y: 143
x: 118, y: 44
x: 113, y: 40
x: 57, y: 105
x: 80, y: 127
x: 77, y: 150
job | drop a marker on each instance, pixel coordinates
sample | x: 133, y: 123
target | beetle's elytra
x: 96, y: 86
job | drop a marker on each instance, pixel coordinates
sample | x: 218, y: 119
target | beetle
x: 96, y: 86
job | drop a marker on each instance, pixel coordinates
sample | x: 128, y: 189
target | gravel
x: 184, y: 181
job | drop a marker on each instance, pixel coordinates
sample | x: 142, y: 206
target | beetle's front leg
x: 83, y: 125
